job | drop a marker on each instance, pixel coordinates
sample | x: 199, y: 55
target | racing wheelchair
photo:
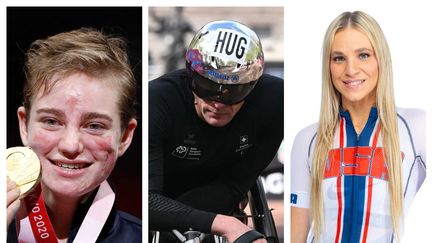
x: 260, y: 214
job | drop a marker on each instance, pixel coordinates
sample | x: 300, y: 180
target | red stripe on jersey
x: 370, y: 183
x: 339, y: 182
x: 368, y: 209
x: 339, y: 218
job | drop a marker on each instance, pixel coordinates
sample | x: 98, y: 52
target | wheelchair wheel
x: 263, y: 220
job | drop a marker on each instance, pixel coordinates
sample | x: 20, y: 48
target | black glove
x: 249, y: 237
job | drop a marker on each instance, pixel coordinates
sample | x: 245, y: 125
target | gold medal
x: 23, y: 167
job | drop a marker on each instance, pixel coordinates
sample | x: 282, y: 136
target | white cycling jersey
x: 355, y: 185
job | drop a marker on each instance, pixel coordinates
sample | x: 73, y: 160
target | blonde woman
x: 356, y: 171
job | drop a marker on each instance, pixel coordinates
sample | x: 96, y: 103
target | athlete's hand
x: 13, y: 202
x: 231, y: 228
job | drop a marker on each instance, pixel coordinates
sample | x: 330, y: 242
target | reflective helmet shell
x: 226, y: 52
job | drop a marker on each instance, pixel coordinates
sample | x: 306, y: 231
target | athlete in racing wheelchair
x: 213, y: 128
x: 259, y: 212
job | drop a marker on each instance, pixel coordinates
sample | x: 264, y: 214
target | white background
x: 408, y: 31
x: 406, y: 24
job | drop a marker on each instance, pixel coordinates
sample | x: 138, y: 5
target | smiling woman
x: 78, y: 117
x: 69, y: 144
x: 356, y: 171
x: 26, y: 24
x: 354, y: 70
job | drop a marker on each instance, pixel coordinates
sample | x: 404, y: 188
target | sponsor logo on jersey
x: 185, y: 152
x: 180, y: 151
x: 243, y: 144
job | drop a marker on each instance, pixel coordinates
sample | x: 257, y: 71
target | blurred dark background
x: 26, y: 24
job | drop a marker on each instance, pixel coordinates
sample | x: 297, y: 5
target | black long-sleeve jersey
x: 197, y: 170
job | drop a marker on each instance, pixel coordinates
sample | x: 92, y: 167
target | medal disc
x: 23, y: 167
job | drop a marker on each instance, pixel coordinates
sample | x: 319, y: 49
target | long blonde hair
x: 329, y: 117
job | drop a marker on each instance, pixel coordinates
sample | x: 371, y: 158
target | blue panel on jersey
x: 358, y: 207
x: 355, y: 186
x: 348, y: 204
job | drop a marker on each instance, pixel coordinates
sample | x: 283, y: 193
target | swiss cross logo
x: 243, y: 139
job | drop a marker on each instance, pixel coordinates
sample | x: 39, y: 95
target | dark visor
x: 228, y: 94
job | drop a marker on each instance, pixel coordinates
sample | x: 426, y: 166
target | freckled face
x: 75, y: 130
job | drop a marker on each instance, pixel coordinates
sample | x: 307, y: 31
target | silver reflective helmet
x: 226, y: 61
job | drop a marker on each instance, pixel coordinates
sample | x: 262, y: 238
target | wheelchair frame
x: 261, y: 215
